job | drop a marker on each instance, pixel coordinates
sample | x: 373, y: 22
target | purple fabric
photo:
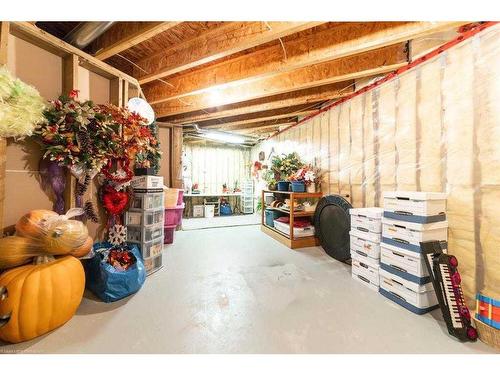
x: 54, y: 175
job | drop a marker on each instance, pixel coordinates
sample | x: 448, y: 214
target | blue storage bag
x: 108, y: 283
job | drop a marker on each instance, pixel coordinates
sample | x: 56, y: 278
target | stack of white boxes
x: 366, y: 229
x: 247, y: 197
x: 410, y: 218
x: 145, y: 219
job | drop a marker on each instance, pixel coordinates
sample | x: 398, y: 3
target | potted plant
x: 268, y: 176
x: 285, y: 166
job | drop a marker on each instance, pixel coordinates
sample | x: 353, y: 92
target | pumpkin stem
x: 43, y: 259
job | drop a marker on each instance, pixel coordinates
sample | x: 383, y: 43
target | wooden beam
x: 336, y: 71
x: 308, y: 96
x: 259, y: 117
x: 70, y: 82
x: 4, y: 41
x: 133, y: 38
x: 44, y: 40
x: 116, y: 92
x: 4, y: 38
x: 176, y: 157
x: 221, y: 42
x: 330, y: 43
x: 254, y: 129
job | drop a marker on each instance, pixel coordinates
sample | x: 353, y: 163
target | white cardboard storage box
x: 367, y: 219
x: 366, y: 282
x: 406, y: 263
x: 414, y: 297
x: 415, y: 206
x: 198, y: 210
x: 365, y: 247
x: 369, y: 236
x: 366, y: 270
x: 408, y: 235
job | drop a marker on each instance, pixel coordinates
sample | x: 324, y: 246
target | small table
x: 188, y: 211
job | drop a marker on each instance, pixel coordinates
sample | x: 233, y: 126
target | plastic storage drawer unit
x: 153, y: 264
x: 144, y: 234
x: 147, y: 201
x: 144, y: 218
x: 151, y: 248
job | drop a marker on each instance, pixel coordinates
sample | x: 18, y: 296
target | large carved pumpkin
x: 66, y: 236
x: 32, y: 225
x: 38, y: 298
x: 16, y: 251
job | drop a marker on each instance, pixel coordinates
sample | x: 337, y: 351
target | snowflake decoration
x: 117, y: 235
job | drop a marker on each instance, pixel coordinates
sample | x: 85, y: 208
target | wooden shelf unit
x: 288, y: 239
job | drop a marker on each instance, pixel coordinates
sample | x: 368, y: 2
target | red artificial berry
x: 472, y: 333
x: 453, y: 261
x: 456, y: 279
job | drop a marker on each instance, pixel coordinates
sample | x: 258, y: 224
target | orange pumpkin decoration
x: 16, y: 251
x: 84, y: 249
x: 32, y: 225
x: 66, y: 236
x: 38, y: 298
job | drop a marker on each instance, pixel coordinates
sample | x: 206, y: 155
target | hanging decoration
x: 117, y: 235
x: 21, y: 106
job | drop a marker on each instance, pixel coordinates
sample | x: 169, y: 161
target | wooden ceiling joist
x: 334, y: 42
x: 308, y: 96
x: 253, y: 124
x: 282, y: 113
x: 129, y: 38
x: 226, y: 40
x: 341, y: 71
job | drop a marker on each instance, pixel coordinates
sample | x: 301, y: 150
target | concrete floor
x: 221, y: 221
x: 235, y: 290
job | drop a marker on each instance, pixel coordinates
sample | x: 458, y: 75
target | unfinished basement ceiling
x: 255, y: 78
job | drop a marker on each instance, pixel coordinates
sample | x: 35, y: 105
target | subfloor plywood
x: 236, y: 290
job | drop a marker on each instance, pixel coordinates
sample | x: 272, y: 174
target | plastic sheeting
x: 435, y: 127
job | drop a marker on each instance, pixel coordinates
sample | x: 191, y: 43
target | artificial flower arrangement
x: 286, y: 165
x: 21, y: 106
x: 75, y: 135
x: 308, y: 174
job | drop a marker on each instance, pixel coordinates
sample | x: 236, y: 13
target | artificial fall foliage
x: 21, y: 106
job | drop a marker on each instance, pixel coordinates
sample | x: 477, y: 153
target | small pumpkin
x: 84, y: 249
x: 38, y: 298
x: 32, y: 225
x: 16, y: 251
x: 66, y: 236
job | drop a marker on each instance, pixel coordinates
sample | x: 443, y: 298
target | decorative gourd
x: 66, y: 236
x: 32, y: 224
x: 16, y: 251
x: 84, y: 249
x: 38, y: 298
